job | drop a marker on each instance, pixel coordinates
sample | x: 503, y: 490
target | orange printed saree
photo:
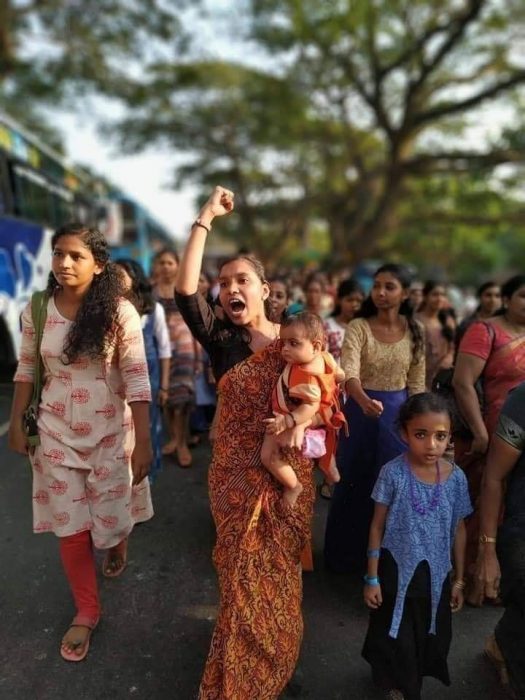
x: 258, y: 633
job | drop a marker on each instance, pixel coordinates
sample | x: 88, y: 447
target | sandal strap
x: 90, y: 621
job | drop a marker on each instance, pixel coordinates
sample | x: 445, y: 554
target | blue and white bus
x: 131, y: 230
x: 39, y: 191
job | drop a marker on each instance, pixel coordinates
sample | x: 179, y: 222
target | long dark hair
x: 95, y: 323
x: 345, y: 289
x: 509, y: 288
x: 369, y: 309
x: 443, y: 314
x: 141, y: 292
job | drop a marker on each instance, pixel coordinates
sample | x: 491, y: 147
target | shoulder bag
x: 39, y: 315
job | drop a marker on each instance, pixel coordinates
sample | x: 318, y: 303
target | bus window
x: 130, y: 233
x: 63, y: 211
x: 5, y: 187
x: 32, y: 198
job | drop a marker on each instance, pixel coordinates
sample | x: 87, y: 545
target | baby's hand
x: 276, y: 425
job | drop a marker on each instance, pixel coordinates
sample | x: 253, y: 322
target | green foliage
x: 368, y: 119
x: 358, y: 115
x: 55, y: 52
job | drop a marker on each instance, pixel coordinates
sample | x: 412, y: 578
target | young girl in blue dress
x: 420, y: 503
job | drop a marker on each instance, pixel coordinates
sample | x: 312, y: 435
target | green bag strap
x: 39, y: 315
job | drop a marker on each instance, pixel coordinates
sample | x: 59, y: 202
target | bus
x: 130, y: 229
x: 39, y: 191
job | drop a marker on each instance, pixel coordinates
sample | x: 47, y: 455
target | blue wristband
x: 371, y: 580
x: 373, y: 553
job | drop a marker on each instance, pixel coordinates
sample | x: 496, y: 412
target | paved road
x: 158, y: 617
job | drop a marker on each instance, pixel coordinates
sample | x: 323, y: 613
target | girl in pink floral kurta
x: 88, y: 471
x: 82, y: 477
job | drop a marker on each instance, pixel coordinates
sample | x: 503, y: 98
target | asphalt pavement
x: 159, y: 615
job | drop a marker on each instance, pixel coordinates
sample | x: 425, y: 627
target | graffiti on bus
x: 24, y: 269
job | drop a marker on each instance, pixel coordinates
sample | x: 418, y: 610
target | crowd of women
x: 428, y: 497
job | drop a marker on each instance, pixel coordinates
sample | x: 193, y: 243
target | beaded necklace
x: 436, y: 492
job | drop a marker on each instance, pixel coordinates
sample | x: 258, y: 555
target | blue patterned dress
x: 409, y: 635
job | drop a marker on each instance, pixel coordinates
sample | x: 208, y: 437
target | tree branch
x: 446, y: 109
x: 424, y: 39
x: 457, y: 27
x: 374, y: 101
x: 452, y: 161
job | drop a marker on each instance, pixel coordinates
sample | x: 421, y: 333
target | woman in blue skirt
x: 384, y: 362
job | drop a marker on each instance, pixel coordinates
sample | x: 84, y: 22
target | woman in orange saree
x: 258, y: 633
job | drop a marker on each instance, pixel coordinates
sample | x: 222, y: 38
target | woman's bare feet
x: 169, y: 448
x: 184, y: 456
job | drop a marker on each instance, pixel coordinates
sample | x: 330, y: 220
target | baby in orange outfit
x: 306, y: 387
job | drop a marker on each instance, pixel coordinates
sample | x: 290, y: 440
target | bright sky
x: 144, y: 176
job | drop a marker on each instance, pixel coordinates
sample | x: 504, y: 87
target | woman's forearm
x: 355, y: 391
x: 490, y: 505
x: 21, y: 399
x: 191, y: 262
x: 165, y: 373
x: 305, y: 413
x: 140, y: 412
x: 468, y: 402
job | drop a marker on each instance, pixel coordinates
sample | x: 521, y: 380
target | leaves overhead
x: 376, y: 119
x: 55, y: 52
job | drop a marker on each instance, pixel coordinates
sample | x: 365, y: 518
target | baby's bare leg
x: 280, y: 469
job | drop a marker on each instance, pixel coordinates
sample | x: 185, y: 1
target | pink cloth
x: 314, y: 443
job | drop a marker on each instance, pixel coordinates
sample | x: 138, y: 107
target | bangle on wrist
x: 485, y: 539
x: 373, y: 553
x: 197, y: 222
x: 459, y: 583
x: 162, y: 388
x: 371, y: 580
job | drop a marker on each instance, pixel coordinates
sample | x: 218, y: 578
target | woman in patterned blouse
x: 384, y: 362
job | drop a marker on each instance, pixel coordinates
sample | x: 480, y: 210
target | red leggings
x: 76, y: 552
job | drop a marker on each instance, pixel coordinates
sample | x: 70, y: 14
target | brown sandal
x: 118, y: 553
x: 79, y: 621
